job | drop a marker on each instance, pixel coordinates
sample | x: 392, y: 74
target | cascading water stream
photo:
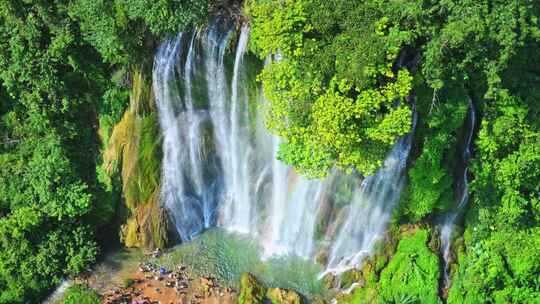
x: 220, y: 164
x: 193, y: 121
x: 174, y: 121
x: 371, y: 209
x: 449, y: 220
x: 238, y: 209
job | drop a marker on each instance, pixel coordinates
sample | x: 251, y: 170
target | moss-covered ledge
x: 134, y: 151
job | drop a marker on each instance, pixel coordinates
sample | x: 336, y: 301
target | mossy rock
x: 147, y: 227
x: 283, y: 296
x: 350, y: 277
x: 134, y: 148
x: 369, y: 271
x: 251, y: 290
x: 367, y: 294
x: 329, y: 280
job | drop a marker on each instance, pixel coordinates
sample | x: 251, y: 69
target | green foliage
x: 47, y: 163
x: 413, y: 272
x: 105, y: 27
x: 430, y: 176
x: 500, y: 261
x: 123, y: 31
x: 167, y: 16
x: 329, y: 111
x: 44, y: 252
x: 338, y: 83
x: 501, y: 269
x: 81, y: 294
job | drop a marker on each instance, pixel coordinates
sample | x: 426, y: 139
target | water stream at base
x: 220, y: 165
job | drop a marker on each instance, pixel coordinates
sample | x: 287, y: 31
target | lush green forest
x: 64, y: 85
x: 350, y: 76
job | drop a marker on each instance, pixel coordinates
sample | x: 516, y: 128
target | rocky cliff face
x: 133, y: 152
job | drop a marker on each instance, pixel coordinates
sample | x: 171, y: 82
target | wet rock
x: 329, y: 280
x: 349, y: 277
x: 321, y: 257
x: 283, y: 296
x: 251, y: 290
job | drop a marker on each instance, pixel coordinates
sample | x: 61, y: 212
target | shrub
x: 412, y: 273
x: 81, y: 294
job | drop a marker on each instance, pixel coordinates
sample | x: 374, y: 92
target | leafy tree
x: 331, y: 112
x: 63, y: 67
x: 431, y: 173
x: 412, y: 273
x: 126, y: 31
x: 47, y: 178
x: 338, y: 85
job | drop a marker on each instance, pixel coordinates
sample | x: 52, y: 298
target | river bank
x: 207, y: 270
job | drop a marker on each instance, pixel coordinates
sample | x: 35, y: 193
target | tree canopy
x: 342, y: 82
x: 63, y: 66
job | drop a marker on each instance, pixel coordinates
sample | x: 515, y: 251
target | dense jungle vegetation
x: 345, y: 80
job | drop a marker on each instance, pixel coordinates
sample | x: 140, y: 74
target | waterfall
x: 181, y: 201
x: 220, y: 165
x: 449, y: 220
x: 368, y: 215
x: 238, y: 212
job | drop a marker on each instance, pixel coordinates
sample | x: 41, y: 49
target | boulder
x: 283, y: 296
x: 251, y: 290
